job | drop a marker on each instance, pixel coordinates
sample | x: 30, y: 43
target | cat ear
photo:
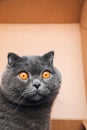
x: 49, y: 56
x: 13, y: 59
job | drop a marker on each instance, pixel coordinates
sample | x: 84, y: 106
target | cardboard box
x: 36, y: 26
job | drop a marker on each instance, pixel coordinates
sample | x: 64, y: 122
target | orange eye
x: 24, y: 75
x: 46, y: 75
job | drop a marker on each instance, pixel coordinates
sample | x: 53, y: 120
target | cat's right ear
x: 13, y: 59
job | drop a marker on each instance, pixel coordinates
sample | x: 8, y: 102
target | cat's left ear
x: 13, y: 59
x: 49, y: 56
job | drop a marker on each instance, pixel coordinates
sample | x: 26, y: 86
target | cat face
x: 30, y: 79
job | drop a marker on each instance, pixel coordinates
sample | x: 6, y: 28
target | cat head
x: 30, y: 80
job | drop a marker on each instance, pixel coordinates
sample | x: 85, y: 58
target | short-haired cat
x: 28, y: 89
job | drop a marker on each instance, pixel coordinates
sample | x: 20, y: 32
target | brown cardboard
x: 40, y: 11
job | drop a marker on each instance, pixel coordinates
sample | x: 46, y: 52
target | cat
x: 29, y: 86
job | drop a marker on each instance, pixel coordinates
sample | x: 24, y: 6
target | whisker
x: 63, y: 107
x: 67, y: 109
x: 18, y: 105
x: 60, y: 107
x: 16, y: 100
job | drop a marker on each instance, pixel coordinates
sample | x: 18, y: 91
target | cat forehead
x: 31, y: 59
x: 34, y: 64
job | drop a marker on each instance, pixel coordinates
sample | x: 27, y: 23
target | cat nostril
x: 36, y: 85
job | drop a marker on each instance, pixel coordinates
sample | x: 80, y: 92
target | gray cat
x: 29, y: 86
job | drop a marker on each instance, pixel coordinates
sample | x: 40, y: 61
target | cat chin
x: 36, y: 98
x: 36, y: 95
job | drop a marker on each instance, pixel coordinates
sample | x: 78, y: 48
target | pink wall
x: 66, y: 42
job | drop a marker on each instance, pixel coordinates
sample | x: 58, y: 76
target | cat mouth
x: 37, y: 95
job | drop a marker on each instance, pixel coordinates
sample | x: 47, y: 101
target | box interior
x: 57, y: 25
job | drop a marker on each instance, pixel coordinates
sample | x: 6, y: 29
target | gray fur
x: 22, y: 105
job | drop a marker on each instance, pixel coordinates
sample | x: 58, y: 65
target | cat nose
x: 36, y: 84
